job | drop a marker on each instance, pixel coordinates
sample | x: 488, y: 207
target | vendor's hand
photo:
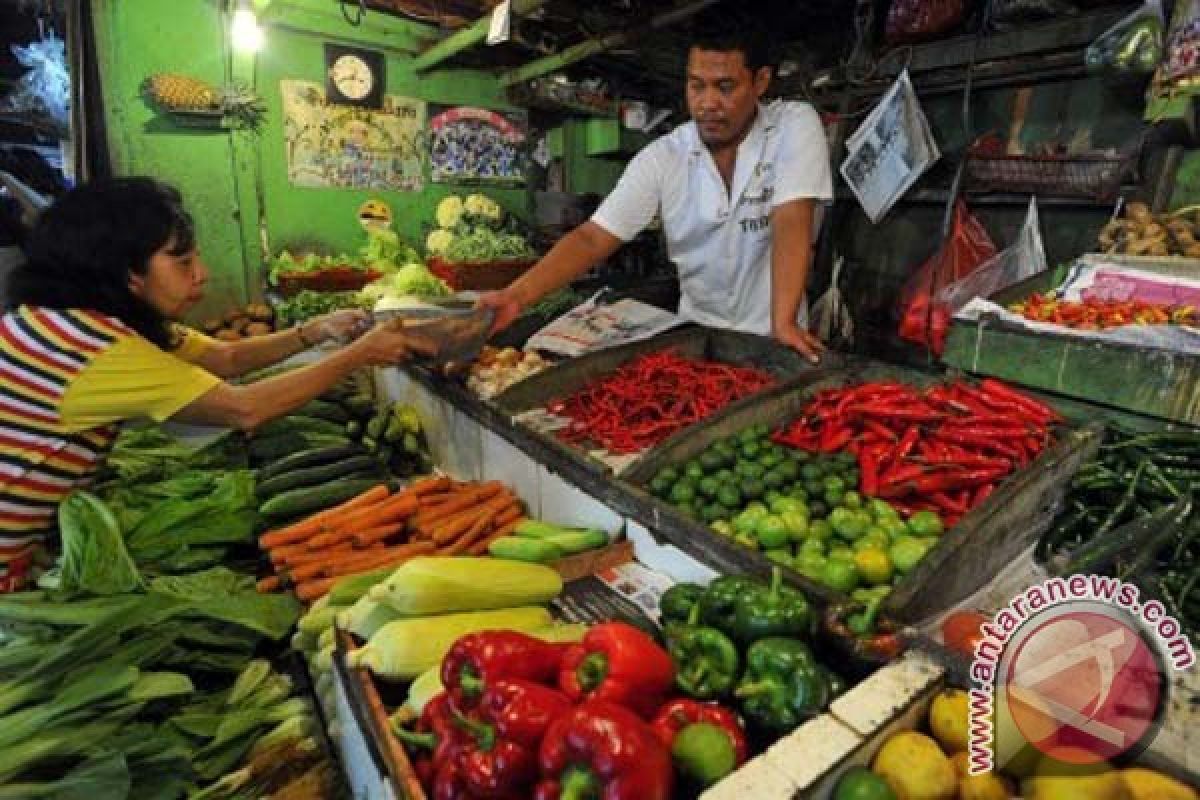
x: 505, y: 303
x: 339, y: 326
x: 384, y: 346
x: 800, y: 340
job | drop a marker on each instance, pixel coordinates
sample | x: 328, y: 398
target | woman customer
x: 91, y: 338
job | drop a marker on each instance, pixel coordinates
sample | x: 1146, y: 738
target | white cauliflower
x: 480, y: 205
x: 438, y: 241
x: 449, y: 211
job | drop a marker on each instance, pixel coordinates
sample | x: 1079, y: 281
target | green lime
x: 834, y: 484
x: 812, y: 545
x: 669, y: 474
x: 811, y: 564
x: 873, y: 565
x: 713, y: 512
x: 750, y: 469
x: 725, y: 475
x: 783, y: 503
x: 840, y: 574
x: 774, y: 479
x: 769, y: 458
x: 771, y: 532
x: 925, y: 523
x: 796, y: 523
x: 723, y: 527
x: 905, y: 552
x: 859, y: 783
x: 750, y: 450
x: 683, y: 492
x: 660, y: 487
x: 752, y: 488
x: 788, y: 469
x: 708, y: 486
x: 761, y: 430
x: 711, y: 460
x: 758, y: 507
x: 746, y: 540
x: 817, y: 509
x: 729, y: 496
x: 801, y: 457
x: 844, y: 457
x: 747, y: 435
x: 842, y: 552
x: 694, y: 470
x: 810, y: 472
x: 882, y: 509
x: 833, y: 497
x: 799, y: 492
x: 894, y: 526
x: 772, y: 497
x: 852, y: 499
x: 874, y: 537
x: 820, y: 530
x: 847, y: 524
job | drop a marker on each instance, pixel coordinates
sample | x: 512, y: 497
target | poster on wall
x: 476, y: 146
x: 332, y: 146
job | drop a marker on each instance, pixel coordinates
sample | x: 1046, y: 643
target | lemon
x: 916, y: 768
x: 873, y: 565
x: 988, y: 786
x: 1146, y: 784
x: 948, y: 719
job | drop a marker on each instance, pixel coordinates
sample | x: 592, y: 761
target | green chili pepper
x: 783, y: 685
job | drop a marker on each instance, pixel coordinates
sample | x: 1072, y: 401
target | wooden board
x: 574, y: 567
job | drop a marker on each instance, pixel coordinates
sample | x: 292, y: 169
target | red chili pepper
x: 868, y: 465
x: 982, y: 493
x: 980, y: 441
x: 907, y: 442
x: 997, y: 389
x: 675, y: 715
x: 880, y: 429
x: 906, y: 414
x: 948, y: 503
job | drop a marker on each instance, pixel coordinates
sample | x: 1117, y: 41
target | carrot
x: 481, y: 546
x: 271, y: 583
x: 397, y: 507
x: 450, y: 528
x: 328, y: 540
x: 514, y: 512
x: 430, y: 486
x: 370, y: 536
x: 324, y: 566
x: 385, y: 558
x: 280, y: 555
x: 311, y: 591
x: 309, y: 556
x: 477, y: 530
x: 463, y: 501
x: 307, y: 527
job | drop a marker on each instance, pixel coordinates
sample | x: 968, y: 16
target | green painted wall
x: 236, y: 183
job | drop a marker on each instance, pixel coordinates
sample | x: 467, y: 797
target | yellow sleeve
x: 132, y: 379
x: 192, y: 343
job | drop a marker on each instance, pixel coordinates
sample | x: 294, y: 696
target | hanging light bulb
x: 247, y: 36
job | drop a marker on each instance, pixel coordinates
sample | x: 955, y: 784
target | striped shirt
x: 67, y: 379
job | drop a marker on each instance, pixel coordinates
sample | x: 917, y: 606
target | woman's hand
x: 338, y: 326
x: 384, y: 346
x: 505, y: 303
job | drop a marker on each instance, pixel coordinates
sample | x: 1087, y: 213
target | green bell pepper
x: 677, y: 603
x: 771, y: 610
x: 783, y: 685
x: 719, y: 600
x: 706, y: 660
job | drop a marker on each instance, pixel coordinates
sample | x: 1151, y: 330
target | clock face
x: 352, y: 76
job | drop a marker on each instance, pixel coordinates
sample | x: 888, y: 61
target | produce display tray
x: 986, y: 538
x: 1144, y: 380
x: 526, y: 401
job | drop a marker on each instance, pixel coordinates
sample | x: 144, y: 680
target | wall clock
x: 353, y: 76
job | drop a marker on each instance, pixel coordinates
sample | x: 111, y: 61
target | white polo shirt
x: 720, y: 240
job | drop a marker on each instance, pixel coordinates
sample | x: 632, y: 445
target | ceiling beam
x: 598, y: 44
x: 468, y: 37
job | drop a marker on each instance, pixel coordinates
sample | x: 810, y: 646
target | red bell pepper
x: 436, y: 731
x: 602, y: 750
x: 620, y: 664
x: 677, y: 714
x: 477, y: 659
x: 500, y: 756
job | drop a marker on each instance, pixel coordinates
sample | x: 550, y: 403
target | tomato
x: 961, y: 631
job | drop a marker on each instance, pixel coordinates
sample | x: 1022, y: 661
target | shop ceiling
x: 637, y: 46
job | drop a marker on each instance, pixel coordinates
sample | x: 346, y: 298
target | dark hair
x: 725, y: 30
x: 85, y: 246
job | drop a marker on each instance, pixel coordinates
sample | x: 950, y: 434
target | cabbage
x: 410, y: 279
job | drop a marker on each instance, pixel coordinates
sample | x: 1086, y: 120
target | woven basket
x: 342, y: 280
x: 479, y: 275
x: 1091, y: 176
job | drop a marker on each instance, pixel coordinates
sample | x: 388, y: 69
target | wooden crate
x: 1144, y: 380
x: 1022, y: 506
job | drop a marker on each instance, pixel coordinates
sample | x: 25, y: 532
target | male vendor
x: 737, y: 189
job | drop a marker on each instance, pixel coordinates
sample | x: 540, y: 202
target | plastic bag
x: 1183, y: 43
x: 1022, y: 259
x: 966, y: 248
x: 920, y: 20
x: 1131, y: 48
x: 831, y: 318
x: 1013, y: 13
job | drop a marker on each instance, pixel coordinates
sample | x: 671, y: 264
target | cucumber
x: 297, y: 423
x: 323, y: 409
x: 310, y: 458
x: 578, y: 541
x: 520, y: 548
x: 360, y: 405
x: 310, y: 499
x: 314, y: 476
x: 272, y: 448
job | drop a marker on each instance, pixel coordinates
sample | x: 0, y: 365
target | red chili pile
x: 652, y: 397
x: 943, y: 449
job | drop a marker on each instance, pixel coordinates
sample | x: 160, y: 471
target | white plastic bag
x: 1022, y: 259
x: 831, y: 319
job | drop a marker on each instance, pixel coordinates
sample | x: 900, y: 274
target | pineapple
x: 182, y: 93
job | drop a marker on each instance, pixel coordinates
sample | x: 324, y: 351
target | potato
x: 228, y: 335
x: 1154, y: 231
x: 238, y: 324
x: 210, y: 325
x: 257, y: 329
x: 258, y: 312
x: 1138, y: 212
x: 232, y: 315
x: 1158, y: 250
x: 1192, y: 251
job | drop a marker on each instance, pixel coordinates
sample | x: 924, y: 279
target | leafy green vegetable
x: 306, y: 304
x: 102, y: 777
x: 411, y: 279
x: 482, y: 243
x: 95, y: 559
x: 225, y: 595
